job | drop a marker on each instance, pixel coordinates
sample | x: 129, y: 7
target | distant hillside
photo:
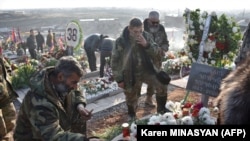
x: 58, y: 19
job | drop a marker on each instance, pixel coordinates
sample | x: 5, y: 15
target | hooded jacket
x: 127, y: 60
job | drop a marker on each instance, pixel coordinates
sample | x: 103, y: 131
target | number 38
x: 72, y: 34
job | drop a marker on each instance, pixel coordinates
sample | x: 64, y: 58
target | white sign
x: 73, y: 34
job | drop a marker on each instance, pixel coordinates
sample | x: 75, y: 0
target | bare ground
x: 118, y: 114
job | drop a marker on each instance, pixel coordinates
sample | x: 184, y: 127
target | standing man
x: 130, y: 68
x: 7, y: 109
x: 106, y: 47
x: 40, y: 41
x: 53, y: 105
x: 157, y: 30
x: 49, y: 41
x: 31, y: 44
x: 54, y: 40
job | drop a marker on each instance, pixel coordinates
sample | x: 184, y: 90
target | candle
x: 125, y: 130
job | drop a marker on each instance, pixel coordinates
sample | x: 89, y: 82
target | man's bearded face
x: 62, y: 88
x: 154, y: 25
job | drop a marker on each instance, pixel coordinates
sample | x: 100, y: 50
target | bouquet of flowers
x: 184, y: 114
x: 173, y: 66
x: 222, y: 43
x: 98, y: 85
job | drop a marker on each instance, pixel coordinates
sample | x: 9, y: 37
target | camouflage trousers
x: 132, y: 94
x: 7, y: 122
x: 79, y: 125
x: 150, y: 88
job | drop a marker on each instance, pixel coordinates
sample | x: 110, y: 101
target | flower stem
x: 185, y: 99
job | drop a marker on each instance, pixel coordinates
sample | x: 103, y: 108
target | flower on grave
x: 133, y: 129
x: 93, y: 86
x: 222, y: 42
x: 108, y: 70
x: 190, y: 113
x: 173, y: 66
x: 183, y: 114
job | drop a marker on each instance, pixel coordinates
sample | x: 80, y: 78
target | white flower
x: 178, y: 113
x: 204, y: 14
x: 133, y: 128
x: 187, y: 120
x: 203, y: 111
x: 227, y: 66
x: 229, y: 21
x: 170, y: 105
x: 168, y: 116
x: 235, y: 29
x: 155, y: 119
x: 213, y: 62
x: 209, y: 54
x: 192, y: 32
x: 101, y: 82
x: 216, y: 109
x: 98, y: 86
x: 201, y: 27
x: 206, y: 119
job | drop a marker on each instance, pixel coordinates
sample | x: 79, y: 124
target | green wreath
x: 223, y: 41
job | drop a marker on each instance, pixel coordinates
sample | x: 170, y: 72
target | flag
x: 19, y: 39
x: 61, y: 43
x: 13, y: 35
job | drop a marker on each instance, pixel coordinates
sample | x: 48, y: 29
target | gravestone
x: 206, y: 79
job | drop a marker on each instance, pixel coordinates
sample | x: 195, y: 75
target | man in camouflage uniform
x: 7, y: 108
x: 245, y: 47
x: 157, y: 30
x: 129, y: 68
x: 53, y: 105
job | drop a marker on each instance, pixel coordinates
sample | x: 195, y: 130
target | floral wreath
x: 223, y: 39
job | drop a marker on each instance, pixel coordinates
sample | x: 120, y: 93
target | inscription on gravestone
x: 206, y: 79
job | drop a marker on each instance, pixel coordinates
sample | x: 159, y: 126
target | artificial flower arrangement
x: 223, y: 38
x: 98, y: 86
x: 177, y: 65
x: 180, y: 114
x: 188, y: 113
x: 108, y: 70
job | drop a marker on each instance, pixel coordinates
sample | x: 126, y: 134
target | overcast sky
x: 152, y: 4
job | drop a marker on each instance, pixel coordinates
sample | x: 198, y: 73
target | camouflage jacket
x: 43, y: 116
x: 127, y: 60
x: 159, y: 37
x: 7, y: 93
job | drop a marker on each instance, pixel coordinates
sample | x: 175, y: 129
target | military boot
x: 161, y: 102
x: 131, y: 113
x: 149, y: 94
x: 149, y: 101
